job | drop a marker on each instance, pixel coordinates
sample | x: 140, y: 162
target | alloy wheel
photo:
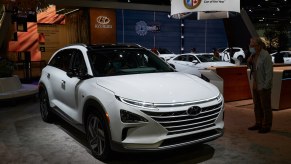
x: 96, y: 135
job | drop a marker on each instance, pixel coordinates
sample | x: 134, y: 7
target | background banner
x: 208, y: 8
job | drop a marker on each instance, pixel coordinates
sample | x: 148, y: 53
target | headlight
x: 136, y: 103
x: 129, y: 117
x: 219, y: 97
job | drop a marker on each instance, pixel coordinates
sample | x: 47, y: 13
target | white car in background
x: 196, y: 61
x: 163, y: 53
x: 125, y: 98
x: 285, y: 55
x: 238, y: 54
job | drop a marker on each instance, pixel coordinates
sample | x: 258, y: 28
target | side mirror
x: 72, y: 73
x: 79, y: 73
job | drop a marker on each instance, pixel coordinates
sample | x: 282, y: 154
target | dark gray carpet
x: 24, y: 138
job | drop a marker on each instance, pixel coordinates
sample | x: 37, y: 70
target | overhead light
x: 278, y: 9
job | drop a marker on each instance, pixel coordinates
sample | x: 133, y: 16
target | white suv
x: 235, y: 53
x: 124, y: 97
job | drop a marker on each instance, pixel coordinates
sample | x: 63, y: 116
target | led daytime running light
x: 136, y: 103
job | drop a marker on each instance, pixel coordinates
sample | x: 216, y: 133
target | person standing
x: 261, y: 66
x: 193, y: 50
x: 216, y: 54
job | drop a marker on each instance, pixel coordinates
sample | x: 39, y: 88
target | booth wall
x: 202, y: 35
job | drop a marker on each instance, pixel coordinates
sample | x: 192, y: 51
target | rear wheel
x: 98, y: 136
x: 45, y: 109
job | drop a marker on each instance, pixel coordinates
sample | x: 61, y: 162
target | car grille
x: 180, y: 122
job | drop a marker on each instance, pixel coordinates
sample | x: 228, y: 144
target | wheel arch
x: 93, y: 105
x: 41, y: 87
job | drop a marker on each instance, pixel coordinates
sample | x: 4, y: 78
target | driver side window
x: 62, y: 60
x: 79, y: 61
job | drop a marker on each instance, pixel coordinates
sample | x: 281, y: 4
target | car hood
x: 159, y: 87
x: 214, y: 64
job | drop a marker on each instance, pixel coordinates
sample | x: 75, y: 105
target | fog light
x: 128, y: 117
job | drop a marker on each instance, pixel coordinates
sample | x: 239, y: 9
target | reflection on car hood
x: 160, y: 87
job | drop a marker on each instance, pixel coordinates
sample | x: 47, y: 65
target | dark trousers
x: 263, y: 109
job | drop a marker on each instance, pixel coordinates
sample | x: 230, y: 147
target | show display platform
x: 213, y: 79
x: 11, y: 87
x: 235, y: 82
x: 281, y: 91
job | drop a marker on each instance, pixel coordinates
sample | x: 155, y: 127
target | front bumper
x: 170, y: 127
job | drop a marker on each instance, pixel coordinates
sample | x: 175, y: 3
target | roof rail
x: 76, y: 44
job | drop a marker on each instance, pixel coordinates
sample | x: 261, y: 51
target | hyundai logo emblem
x: 194, y: 110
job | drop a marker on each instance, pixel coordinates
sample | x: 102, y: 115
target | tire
x: 240, y: 58
x: 97, y: 135
x: 45, y: 109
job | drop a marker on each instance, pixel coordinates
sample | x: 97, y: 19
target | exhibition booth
x: 35, y: 40
x: 281, y: 87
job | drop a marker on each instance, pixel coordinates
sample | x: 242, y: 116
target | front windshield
x: 208, y: 58
x: 111, y: 62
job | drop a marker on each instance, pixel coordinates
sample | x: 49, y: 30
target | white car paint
x: 165, y: 91
x: 238, y: 54
x: 286, y: 56
x: 196, y: 62
x: 139, y: 104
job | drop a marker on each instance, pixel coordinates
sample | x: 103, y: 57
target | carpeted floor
x: 24, y: 138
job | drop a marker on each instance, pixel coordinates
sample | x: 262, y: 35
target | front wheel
x: 240, y: 58
x: 45, y: 109
x: 97, y: 136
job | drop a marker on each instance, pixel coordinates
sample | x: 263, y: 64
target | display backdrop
x: 205, y: 9
x: 102, y: 25
x: 156, y: 29
x: 34, y: 41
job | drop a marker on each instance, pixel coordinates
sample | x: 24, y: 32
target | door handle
x: 63, y: 84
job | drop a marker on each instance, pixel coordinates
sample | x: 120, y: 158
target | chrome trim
x: 192, y: 142
x: 165, y: 105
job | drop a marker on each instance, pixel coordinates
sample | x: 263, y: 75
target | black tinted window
x: 62, y: 60
x: 110, y: 62
x: 181, y: 58
x: 79, y: 61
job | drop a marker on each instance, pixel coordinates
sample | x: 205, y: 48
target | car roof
x: 229, y: 48
x: 205, y: 53
x: 106, y: 46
